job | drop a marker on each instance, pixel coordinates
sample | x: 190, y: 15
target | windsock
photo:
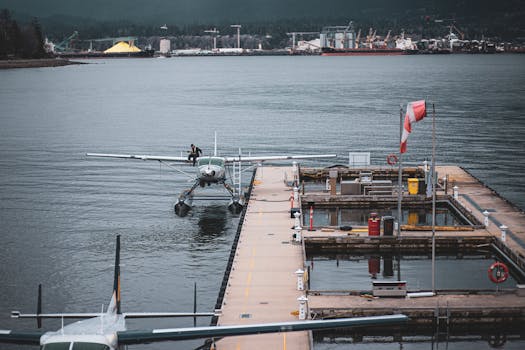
x: 415, y: 112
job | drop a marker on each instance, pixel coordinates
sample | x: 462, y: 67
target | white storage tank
x: 165, y: 46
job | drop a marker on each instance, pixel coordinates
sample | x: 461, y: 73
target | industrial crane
x: 64, y: 45
x: 371, y: 37
x: 461, y: 34
x: 214, y: 32
x: 238, y: 26
x: 357, y: 39
x: 385, y: 42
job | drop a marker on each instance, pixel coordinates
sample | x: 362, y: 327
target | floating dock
x: 262, y: 285
x: 262, y: 281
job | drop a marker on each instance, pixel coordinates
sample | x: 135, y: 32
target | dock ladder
x: 237, y: 176
x: 442, y: 316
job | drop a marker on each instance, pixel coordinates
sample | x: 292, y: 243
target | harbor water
x: 356, y: 272
x: 60, y: 211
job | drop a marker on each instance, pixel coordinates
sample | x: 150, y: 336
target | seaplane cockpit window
x: 76, y: 346
x: 57, y: 346
x: 212, y: 161
x: 89, y: 346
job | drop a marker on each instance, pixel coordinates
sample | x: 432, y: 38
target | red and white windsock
x: 415, y: 112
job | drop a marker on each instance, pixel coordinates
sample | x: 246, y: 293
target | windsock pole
x: 433, y: 179
x: 400, y: 174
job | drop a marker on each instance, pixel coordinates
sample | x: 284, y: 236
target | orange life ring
x: 502, y: 272
x: 391, y: 159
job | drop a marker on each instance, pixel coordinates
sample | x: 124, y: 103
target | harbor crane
x: 371, y: 37
x: 453, y: 26
x: 357, y: 38
x: 214, y: 32
x: 238, y: 26
x: 385, y: 42
x: 65, y: 45
x: 294, y: 35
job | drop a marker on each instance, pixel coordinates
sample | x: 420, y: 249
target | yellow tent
x: 122, y: 47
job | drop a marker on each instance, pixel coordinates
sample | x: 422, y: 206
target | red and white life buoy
x: 391, y: 159
x: 498, y: 272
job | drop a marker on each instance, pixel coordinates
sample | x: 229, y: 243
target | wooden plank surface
x: 262, y: 285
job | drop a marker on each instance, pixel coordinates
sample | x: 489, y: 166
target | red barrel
x: 374, y: 224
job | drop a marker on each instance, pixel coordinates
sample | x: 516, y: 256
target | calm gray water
x: 357, y: 272
x: 60, y: 212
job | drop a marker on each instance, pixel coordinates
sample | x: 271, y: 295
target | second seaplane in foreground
x: 107, y: 330
x: 225, y: 171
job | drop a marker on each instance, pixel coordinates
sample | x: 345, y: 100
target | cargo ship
x: 330, y: 51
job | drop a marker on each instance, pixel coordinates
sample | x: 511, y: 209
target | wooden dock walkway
x: 477, y: 197
x: 263, y: 286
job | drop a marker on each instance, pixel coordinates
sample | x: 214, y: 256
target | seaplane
x: 213, y: 170
x: 107, y: 330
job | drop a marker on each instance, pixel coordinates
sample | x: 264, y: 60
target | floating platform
x: 261, y: 284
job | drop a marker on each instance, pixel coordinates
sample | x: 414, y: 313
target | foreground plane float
x: 107, y: 330
x: 212, y: 170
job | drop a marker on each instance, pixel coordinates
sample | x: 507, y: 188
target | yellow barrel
x: 413, y: 185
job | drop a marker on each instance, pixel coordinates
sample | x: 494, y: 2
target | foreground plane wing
x: 140, y: 157
x: 156, y: 335
x: 174, y: 334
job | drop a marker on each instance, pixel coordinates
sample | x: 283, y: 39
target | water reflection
x: 212, y: 222
x: 356, y: 272
x: 359, y: 216
x: 422, y: 337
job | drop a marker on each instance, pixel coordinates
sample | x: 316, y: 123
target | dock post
x: 333, y: 182
x: 297, y: 235
x: 300, y: 279
x: 295, y: 173
x: 486, y: 219
x: 295, y: 195
x: 455, y: 190
x: 503, y: 229
x: 297, y: 225
x: 303, y: 307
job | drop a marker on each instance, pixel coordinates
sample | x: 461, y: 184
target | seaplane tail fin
x: 114, y: 305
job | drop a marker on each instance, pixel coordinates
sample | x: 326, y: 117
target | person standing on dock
x: 195, y: 152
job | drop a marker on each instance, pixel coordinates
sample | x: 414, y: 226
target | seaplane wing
x: 31, y: 338
x: 156, y: 335
x: 140, y: 157
x: 281, y: 157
